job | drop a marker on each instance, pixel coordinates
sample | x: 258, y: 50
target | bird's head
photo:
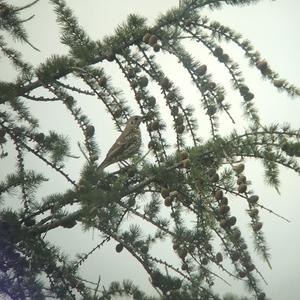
x: 134, y: 121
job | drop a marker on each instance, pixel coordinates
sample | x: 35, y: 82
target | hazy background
x: 273, y: 28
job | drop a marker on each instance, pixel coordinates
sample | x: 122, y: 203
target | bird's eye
x: 136, y: 118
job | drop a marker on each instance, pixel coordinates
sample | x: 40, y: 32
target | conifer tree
x: 184, y: 192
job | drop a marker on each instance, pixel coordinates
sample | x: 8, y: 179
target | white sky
x: 273, y: 28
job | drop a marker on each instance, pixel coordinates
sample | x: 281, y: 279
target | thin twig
x: 28, y: 19
x: 83, y: 153
x: 26, y: 6
x: 35, y: 48
x: 97, y: 287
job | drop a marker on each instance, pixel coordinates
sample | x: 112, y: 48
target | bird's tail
x: 102, y: 166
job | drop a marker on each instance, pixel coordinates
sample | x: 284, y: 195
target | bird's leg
x: 126, y: 165
x: 123, y: 164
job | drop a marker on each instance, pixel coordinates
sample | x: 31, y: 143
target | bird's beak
x: 143, y: 119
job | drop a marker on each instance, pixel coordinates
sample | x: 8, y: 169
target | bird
x: 126, y: 145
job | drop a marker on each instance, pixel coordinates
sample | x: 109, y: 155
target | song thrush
x: 126, y: 145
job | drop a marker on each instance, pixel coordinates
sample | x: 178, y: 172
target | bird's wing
x: 118, y: 147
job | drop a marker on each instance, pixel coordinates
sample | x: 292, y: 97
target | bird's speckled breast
x: 137, y: 137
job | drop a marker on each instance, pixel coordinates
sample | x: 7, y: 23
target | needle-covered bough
x: 183, y: 192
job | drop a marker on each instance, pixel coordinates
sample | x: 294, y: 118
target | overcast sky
x: 273, y: 28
